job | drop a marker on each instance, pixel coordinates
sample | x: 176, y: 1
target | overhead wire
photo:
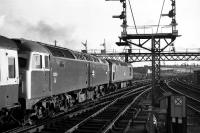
x: 160, y: 16
x: 133, y: 16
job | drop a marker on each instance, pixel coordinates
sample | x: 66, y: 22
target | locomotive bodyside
x: 120, y: 72
x: 68, y: 75
x: 99, y: 73
x: 9, y: 76
x: 76, y: 72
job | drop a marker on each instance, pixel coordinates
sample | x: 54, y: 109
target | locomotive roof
x: 57, y: 51
x: 7, y: 43
x: 27, y: 45
x: 67, y: 53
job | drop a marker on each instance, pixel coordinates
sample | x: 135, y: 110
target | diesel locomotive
x: 39, y: 78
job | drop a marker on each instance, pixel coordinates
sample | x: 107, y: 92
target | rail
x: 78, y: 113
x: 103, y: 110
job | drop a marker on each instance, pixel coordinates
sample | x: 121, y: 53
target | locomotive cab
x: 31, y: 63
x: 34, y: 69
x: 40, y: 75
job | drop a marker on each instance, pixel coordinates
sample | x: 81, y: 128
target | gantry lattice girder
x: 143, y: 57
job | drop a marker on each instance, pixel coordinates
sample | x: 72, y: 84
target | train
x: 40, y: 78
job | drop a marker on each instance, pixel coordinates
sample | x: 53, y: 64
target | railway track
x: 193, y: 102
x: 78, y: 112
x: 191, y: 93
x: 110, y: 116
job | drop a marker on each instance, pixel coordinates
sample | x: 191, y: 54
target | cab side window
x: 46, y: 58
x: 37, y: 61
x: 11, y: 67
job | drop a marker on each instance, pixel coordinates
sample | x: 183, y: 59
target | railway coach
x: 9, y: 78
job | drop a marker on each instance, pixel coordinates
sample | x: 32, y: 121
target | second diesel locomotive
x: 40, y: 78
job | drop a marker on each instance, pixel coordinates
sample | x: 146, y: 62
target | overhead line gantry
x: 144, y: 56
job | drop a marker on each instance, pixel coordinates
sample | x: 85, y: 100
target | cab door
x: 40, y: 75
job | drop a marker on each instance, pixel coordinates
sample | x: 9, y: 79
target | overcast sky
x: 72, y: 21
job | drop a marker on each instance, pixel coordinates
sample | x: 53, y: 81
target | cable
x: 132, y: 16
x: 160, y: 16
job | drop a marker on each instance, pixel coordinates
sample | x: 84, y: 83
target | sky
x: 71, y: 22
